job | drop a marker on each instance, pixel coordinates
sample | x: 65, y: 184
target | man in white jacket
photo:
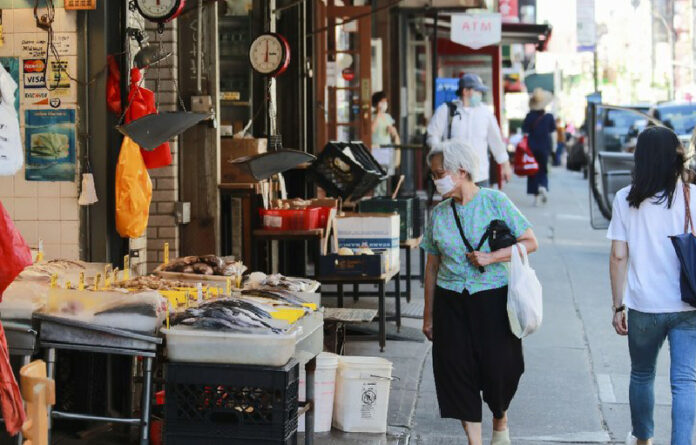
x: 469, y: 120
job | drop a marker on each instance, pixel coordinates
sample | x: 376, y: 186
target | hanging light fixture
x: 149, y: 54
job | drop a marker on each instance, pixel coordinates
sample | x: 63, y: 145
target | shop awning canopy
x: 512, y: 33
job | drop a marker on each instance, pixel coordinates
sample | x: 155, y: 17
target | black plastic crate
x: 345, y: 176
x: 231, y: 404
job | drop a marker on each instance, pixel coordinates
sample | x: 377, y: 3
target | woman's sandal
x: 501, y: 438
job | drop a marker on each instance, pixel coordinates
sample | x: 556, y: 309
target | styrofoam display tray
x: 311, y: 338
x: 185, y: 344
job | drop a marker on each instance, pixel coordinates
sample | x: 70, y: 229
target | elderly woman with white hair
x: 465, y: 316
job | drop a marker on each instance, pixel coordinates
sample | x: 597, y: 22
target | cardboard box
x: 402, y: 206
x: 375, y: 230
x: 353, y: 265
x: 233, y: 148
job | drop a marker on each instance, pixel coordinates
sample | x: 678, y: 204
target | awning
x: 512, y: 33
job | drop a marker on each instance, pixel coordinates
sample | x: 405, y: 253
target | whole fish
x: 279, y: 295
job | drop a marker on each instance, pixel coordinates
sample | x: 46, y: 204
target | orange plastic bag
x: 133, y: 191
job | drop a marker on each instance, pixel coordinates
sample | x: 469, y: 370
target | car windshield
x: 682, y: 118
x: 623, y: 119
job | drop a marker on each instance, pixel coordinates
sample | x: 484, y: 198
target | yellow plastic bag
x: 133, y: 191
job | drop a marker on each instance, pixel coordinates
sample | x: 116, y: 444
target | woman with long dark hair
x: 644, y: 268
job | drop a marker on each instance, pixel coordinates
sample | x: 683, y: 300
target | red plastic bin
x: 289, y: 219
x: 324, y: 213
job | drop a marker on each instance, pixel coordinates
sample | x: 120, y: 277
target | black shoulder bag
x: 498, y: 234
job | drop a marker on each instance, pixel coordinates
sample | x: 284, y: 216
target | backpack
x: 450, y: 117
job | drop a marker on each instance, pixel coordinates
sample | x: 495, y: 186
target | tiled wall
x: 40, y: 210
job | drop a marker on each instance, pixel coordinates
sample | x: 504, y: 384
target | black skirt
x: 474, y: 353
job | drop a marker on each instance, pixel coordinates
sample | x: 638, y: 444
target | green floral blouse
x: 442, y: 238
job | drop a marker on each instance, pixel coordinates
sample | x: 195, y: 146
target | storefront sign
x: 509, y: 11
x: 586, y: 29
x: 476, y: 30
x: 50, y: 145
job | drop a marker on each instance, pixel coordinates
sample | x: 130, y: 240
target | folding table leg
x: 310, y: 367
x: 397, y: 293
x: 356, y: 295
x: 146, y: 401
x: 408, y: 275
x: 340, y: 294
x: 51, y: 374
x: 382, y: 317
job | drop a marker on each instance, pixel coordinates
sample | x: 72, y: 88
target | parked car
x: 615, y: 125
x: 679, y: 116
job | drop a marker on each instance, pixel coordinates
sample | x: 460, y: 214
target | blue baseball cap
x: 471, y: 81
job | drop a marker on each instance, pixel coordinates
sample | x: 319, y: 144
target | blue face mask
x: 476, y: 99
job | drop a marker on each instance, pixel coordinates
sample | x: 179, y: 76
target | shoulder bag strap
x: 469, y: 247
x: 688, y: 222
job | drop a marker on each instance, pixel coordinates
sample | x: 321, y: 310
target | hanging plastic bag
x: 141, y: 102
x: 113, y: 86
x: 133, y: 191
x: 11, y: 154
x: 525, y: 305
x: 15, y: 255
x: 10, y: 396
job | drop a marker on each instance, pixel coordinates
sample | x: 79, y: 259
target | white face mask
x: 475, y: 99
x: 383, y: 106
x: 444, y: 185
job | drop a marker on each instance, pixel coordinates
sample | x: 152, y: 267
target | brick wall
x: 162, y: 226
x: 46, y: 211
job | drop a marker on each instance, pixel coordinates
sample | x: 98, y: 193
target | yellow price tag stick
x: 114, y: 276
x: 81, y: 283
x: 167, y: 315
x: 126, y: 267
x: 97, y: 281
x: 40, y: 254
x: 239, y: 281
x: 54, y: 281
x: 68, y: 284
x: 166, y: 253
x: 229, y: 285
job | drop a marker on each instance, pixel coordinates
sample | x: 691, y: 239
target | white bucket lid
x: 361, y: 362
x: 327, y: 360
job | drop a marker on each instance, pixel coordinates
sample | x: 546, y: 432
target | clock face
x: 269, y: 54
x: 162, y: 10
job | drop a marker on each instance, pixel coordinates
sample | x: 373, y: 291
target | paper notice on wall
x: 33, y: 46
x: 50, y: 145
x: 48, y: 83
x: 331, y: 73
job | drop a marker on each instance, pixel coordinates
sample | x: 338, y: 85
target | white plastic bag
x: 11, y: 154
x: 525, y: 305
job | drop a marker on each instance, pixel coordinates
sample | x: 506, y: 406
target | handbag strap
x: 688, y: 222
x: 469, y: 247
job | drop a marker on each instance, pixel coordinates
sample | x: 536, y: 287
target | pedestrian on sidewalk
x: 560, y: 142
x: 645, y: 274
x: 468, y: 120
x: 539, y: 126
x: 465, y: 316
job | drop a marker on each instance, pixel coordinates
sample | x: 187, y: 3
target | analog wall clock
x: 269, y: 54
x: 160, y: 11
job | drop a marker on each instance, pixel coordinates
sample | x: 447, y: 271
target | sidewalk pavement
x: 575, y: 388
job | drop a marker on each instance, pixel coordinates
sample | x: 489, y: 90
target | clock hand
x: 266, y: 50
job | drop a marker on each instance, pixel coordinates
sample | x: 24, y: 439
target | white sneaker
x: 501, y: 438
x: 544, y: 195
x: 632, y: 440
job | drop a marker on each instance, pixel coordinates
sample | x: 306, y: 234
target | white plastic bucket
x: 362, y: 394
x: 324, y: 389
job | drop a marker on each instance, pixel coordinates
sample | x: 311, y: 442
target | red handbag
x: 525, y: 162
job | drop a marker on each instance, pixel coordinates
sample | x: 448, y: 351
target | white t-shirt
x: 653, y: 268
